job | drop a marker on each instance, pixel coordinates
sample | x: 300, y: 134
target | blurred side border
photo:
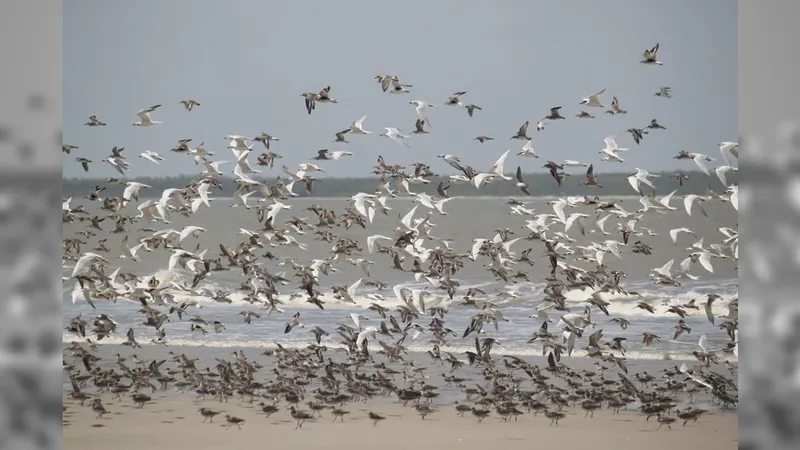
x: 30, y: 181
x: 769, y: 128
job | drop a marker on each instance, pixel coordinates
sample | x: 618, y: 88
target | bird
x: 592, y: 100
x: 522, y: 133
x: 664, y: 92
x: 527, y: 151
x: 189, y: 104
x: 471, y: 108
x: 591, y: 180
x: 144, y: 117
x: 521, y: 183
x: 650, y: 56
x: 294, y: 322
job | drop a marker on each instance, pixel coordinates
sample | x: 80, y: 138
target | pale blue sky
x: 247, y: 62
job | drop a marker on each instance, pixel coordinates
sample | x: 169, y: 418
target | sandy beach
x: 171, y: 420
x: 174, y: 422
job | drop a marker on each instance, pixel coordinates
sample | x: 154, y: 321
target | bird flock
x: 513, y: 384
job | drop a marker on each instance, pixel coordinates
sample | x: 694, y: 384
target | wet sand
x: 172, y: 420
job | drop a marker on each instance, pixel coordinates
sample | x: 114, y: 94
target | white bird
x: 395, y: 135
x: 151, y: 156
x: 690, y: 200
x: 85, y: 262
x: 132, y: 190
x: 575, y: 218
x: 527, y: 150
x: 372, y: 239
x: 640, y: 177
x: 190, y: 230
x: 573, y: 163
x: 357, y: 318
x: 349, y: 294
x: 721, y: 171
x: 144, y: 117
x: 212, y: 168
x: 704, y: 258
x: 426, y: 201
x: 673, y: 233
x: 358, y: 126
x: 727, y: 148
x: 421, y: 107
x: 363, y: 335
x: 699, y: 160
x: 592, y: 100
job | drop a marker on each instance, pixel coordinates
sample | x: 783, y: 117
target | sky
x: 248, y: 62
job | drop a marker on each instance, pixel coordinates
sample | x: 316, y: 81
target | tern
x: 639, y: 178
x: 395, y: 135
x: 593, y: 100
x: 151, y: 156
x: 527, y: 150
x: 421, y: 107
x: 144, y: 117
x: 358, y: 126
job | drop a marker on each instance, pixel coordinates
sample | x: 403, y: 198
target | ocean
x: 466, y: 218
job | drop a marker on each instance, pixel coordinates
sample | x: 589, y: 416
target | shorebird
x: 521, y: 183
x: 584, y: 115
x: 144, y: 117
x: 94, y: 122
x: 471, y: 108
x: 293, y: 322
x: 522, y: 133
x: 591, y: 180
x: 555, y: 114
x: 189, y: 104
x: 615, y: 109
x: 266, y: 139
x: 312, y: 98
x: 593, y: 101
x: 67, y: 148
x: 654, y: 125
x: 483, y: 139
x: 419, y: 127
x: 84, y: 163
x: 385, y: 81
x: 650, y: 56
x: 454, y: 100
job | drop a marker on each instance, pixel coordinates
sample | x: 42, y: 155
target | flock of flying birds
x: 359, y: 376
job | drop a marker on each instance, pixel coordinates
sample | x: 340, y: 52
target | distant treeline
x: 541, y: 184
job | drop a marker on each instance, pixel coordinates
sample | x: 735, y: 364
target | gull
x: 592, y: 100
x: 699, y: 159
x: 132, y: 190
x: 521, y: 183
x: 454, y: 100
x: 421, y: 107
x: 358, y: 126
x: 650, y: 57
x: 727, y: 148
x: 640, y: 177
x: 573, y: 163
x: 293, y: 323
x: 94, y: 122
x: 721, y: 171
x: 615, y: 109
x: 144, y: 117
x: 189, y: 104
x: 527, y: 150
x: 151, y: 156
x: 690, y: 200
x: 673, y: 233
x: 591, y: 179
x: 471, y: 109
x: 664, y: 91
x: 395, y: 135
x: 522, y: 133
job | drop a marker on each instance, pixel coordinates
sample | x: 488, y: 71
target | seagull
x: 650, y: 57
x: 358, y: 126
x: 640, y: 177
x: 151, y: 156
x: 522, y: 133
x: 395, y: 135
x: 521, y: 183
x: 664, y: 91
x: 144, y: 117
x: 189, y: 104
x: 593, y: 101
x: 527, y: 150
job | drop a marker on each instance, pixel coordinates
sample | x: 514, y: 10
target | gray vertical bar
x: 30, y: 202
x: 769, y: 134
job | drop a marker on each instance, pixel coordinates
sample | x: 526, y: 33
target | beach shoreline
x: 171, y: 419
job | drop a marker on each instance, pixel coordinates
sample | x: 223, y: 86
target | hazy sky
x: 247, y: 63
